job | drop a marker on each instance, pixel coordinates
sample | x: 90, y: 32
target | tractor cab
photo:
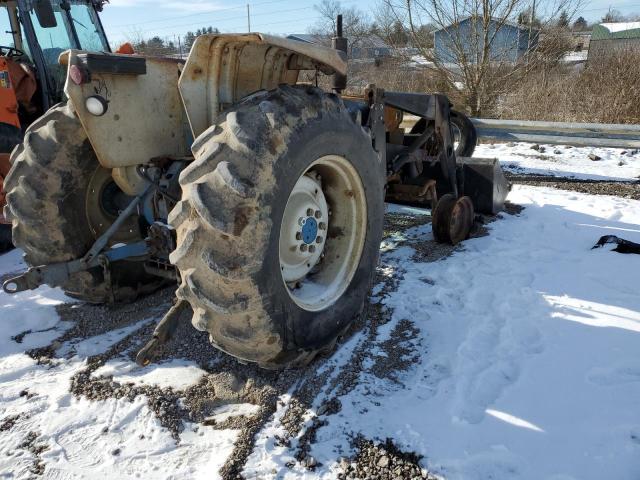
x: 33, y: 34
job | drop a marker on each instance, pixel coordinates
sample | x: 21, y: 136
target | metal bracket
x: 57, y: 274
x: 162, y: 333
x: 434, y: 107
x: 375, y: 122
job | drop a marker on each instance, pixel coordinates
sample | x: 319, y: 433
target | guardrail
x: 560, y: 133
x: 554, y: 133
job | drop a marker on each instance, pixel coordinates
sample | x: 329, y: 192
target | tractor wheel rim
x: 104, y: 201
x: 322, y: 233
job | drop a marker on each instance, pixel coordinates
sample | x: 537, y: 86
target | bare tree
x: 613, y: 16
x: 474, y: 58
x: 356, y: 24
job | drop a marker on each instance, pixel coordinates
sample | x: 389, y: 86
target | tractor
x: 34, y: 34
x: 262, y: 198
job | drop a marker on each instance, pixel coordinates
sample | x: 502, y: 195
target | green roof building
x: 609, y: 37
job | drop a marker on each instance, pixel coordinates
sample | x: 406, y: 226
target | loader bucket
x: 484, y: 183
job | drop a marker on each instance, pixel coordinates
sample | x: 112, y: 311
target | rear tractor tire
x: 465, y: 136
x: 59, y: 200
x: 279, y: 226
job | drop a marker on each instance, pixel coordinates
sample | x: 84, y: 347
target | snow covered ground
x: 522, y: 353
x: 565, y: 161
x: 45, y: 429
x: 528, y: 350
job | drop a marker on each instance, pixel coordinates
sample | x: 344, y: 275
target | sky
x: 132, y: 19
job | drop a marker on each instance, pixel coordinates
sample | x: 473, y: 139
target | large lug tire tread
x: 46, y: 191
x: 228, y: 222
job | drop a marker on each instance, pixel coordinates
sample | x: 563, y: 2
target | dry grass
x: 606, y: 90
x: 390, y: 73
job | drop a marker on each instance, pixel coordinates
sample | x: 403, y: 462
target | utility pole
x: 179, y: 47
x: 532, y: 17
x: 248, y: 19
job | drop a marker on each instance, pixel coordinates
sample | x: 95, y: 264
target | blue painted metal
x: 309, y: 230
x: 137, y: 249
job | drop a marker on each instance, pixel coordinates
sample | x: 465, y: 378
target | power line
x: 203, y: 12
x: 222, y: 20
x: 608, y: 8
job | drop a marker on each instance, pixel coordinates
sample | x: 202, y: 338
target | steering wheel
x: 10, y: 52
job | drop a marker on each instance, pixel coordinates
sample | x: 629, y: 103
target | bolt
x: 298, y: 236
x: 309, y: 212
x: 318, y: 213
x: 303, y: 247
x: 301, y: 221
x: 318, y: 239
x: 322, y: 226
x: 312, y: 248
x: 330, y: 212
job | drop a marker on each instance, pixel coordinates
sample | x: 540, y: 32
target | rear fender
x: 222, y: 69
x: 144, y: 117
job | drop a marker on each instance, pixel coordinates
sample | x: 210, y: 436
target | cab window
x: 6, y: 35
x: 86, y: 28
x: 53, y: 41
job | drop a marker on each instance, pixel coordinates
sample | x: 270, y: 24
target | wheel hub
x: 309, y: 230
x: 304, y: 221
x: 322, y: 233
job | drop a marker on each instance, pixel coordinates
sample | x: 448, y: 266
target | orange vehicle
x: 32, y: 36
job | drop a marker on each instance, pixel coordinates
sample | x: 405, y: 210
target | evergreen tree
x: 580, y: 24
x: 189, y: 38
x: 398, y: 36
x: 563, y: 20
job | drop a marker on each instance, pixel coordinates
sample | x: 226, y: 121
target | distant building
x: 369, y: 47
x: 310, y: 38
x: 581, y: 41
x: 611, y: 37
x: 510, y: 44
x: 579, y: 48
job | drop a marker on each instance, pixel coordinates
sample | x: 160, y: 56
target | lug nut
x: 322, y: 226
x: 318, y: 213
x: 309, y: 212
x: 301, y: 221
x: 312, y: 248
x: 303, y: 247
x: 318, y: 239
x: 298, y: 236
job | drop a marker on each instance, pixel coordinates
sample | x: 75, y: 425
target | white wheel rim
x: 322, y: 233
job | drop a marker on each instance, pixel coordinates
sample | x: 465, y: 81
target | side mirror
x: 44, y: 12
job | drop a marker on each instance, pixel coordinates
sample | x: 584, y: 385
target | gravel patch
x: 592, y: 187
x: 382, y: 461
x: 31, y: 445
